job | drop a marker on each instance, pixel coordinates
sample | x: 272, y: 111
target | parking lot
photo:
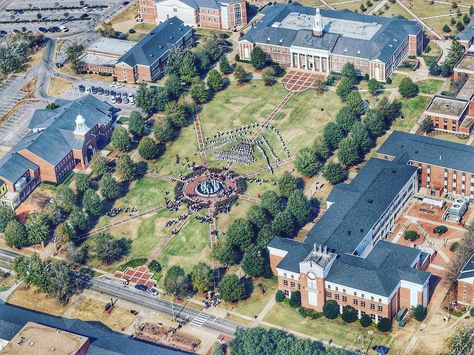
x: 11, y: 94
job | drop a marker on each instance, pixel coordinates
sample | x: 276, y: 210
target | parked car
x: 64, y: 28
x: 132, y: 101
x: 86, y: 9
x: 16, y: 31
x: 100, y: 91
x: 114, y: 100
x: 43, y: 29
x: 141, y: 287
x: 113, y: 93
x: 118, y: 100
x: 119, y: 94
x: 82, y: 88
x: 125, y: 3
x: 125, y: 100
x: 54, y: 29
x: 131, y: 96
x: 106, y: 92
x: 153, y: 291
x: 94, y: 90
x: 88, y: 90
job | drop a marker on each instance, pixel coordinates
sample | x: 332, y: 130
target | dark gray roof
x: 13, y: 166
x: 103, y: 341
x: 358, y: 205
x: 297, y: 251
x: 432, y: 151
x: 381, y: 46
x: 468, y: 269
x: 468, y: 33
x: 381, y: 271
x: 157, y: 43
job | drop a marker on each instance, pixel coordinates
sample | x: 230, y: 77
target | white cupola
x: 318, y: 24
x: 81, y: 127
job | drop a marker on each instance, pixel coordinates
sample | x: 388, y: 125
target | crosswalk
x: 202, y: 318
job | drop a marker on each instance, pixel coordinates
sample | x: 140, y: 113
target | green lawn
x: 190, y: 246
x: 341, y: 333
x: 395, y: 10
x: 256, y: 302
x: 411, y: 111
x: 430, y: 86
x: 239, y: 210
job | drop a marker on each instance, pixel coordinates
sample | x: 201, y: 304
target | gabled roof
x: 468, y: 269
x: 468, y: 33
x: 404, y: 146
x: 156, y: 43
x: 297, y: 251
x: 13, y: 166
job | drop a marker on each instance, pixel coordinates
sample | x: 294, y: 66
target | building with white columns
x: 324, y: 40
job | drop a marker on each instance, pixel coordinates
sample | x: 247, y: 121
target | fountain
x: 209, y: 187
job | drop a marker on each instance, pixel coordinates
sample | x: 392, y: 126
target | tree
x: 51, y: 106
x: 349, y: 71
x: 375, y: 122
x: 224, y: 65
x: 408, y: 88
x: 332, y: 135
x: 241, y: 234
x: 253, y: 262
x: 334, y: 173
x: 349, y: 153
x: 64, y: 198
x: 446, y: 70
x: 349, y: 314
x: 16, y: 234
x: 232, y: 289
x: 331, y: 309
x: 419, y: 312
x: 188, y: 70
x: 240, y: 74
x: 226, y: 253
x: 344, y: 88
x: 83, y: 182
x: 212, y: 46
x: 374, y: 86
x: 426, y: 126
x: 462, y: 341
x: 106, y: 30
x: 280, y: 296
x: 136, y: 124
x: 202, y: 59
x: 361, y: 135
x: 459, y: 26
x: 295, y: 299
x: 299, y: 207
x: 287, y: 184
x: 283, y: 225
x: 177, y: 283
x: 164, y: 130
x: 455, y: 53
x: 77, y: 255
x: 92, y: 203
x: 272, y: 203
x: 173, y: 87
x: 201, y: 277
x: 346, y: 118
x: 108, y: 249
x: 7, y: 214
x: 214, y: 80
x: 78, y: 219
x: 100, y: 165
x: 446, y: 29
x: 268, y: 76
x: 355, y: 102
x: 466, y: 19
x: 173, y: 63
x: 384, y: 325
x: 198, y: 91
x: 37, y: 228
x: 258, y: 216
x: 218, y: 349
x: 64, y: 233
x: 389, y: 110
x: 152, y: 99
x: 471, y: 10
x: 306, y: 162
x: 434, y: 69
x: 265, y: 235
x: 176, y: 114
x: 125, y: 168
x: 149, y: 149
x: 120, y: 139
x: 109, y: 187
x: 258, y: 58
x: 365, y: 320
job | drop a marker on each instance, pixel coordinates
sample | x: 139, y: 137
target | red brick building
x: 451, y: 115
x: 465, y: 285
x: 60, y: 140
x: 324, y: 40
x: 213, y: 14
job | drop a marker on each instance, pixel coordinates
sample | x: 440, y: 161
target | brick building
x: 445, y: 167
x: 465, y: 286
x: 345, y: 257
x: 451, y: 115
x: 466, y: 37
x: 324, y: 40
x: 59, y: 141
x: 213, y: 14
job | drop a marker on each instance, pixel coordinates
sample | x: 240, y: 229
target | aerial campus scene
x: 237, y: 177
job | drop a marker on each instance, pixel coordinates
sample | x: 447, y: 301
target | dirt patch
x: 32, y: 299
x: 58, y: 86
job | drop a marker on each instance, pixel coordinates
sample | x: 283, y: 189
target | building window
x: 328, y: 294
x: 287, y: 293
x: 362, y: 303
x: 380, y: 308
x: 355, y: 293
x: 292, y: 284
x: 380, y: 300
x: 344, y: 299
x: 299, y: 287
x: 337, y: 288
x: 372, y: 316
x: 344, y: 290
x: 329, y: 286
x: 336, y: 296
x: 285, y: 282
x: 372, y: 306
x: 355, y: 302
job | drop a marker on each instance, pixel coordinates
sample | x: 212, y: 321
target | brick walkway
x: 298, y: 80
x: 200, y: 139
x: 249, y: 198
x: 138, y: 276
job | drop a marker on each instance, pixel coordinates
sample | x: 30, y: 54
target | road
x: 116, y: 289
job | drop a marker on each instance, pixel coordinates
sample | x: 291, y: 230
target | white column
x: 306, y: 61
x: 320, y: 64
x: 314, y: 63
x: 291, y: 60
x: 299, y: 59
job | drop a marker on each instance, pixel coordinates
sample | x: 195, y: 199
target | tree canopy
x: 177, y: 283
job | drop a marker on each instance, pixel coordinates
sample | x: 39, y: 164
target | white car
x: 119, y: 85
x: 132, y: 101
x: 113, y: 99
x: 86, y: 9
x: 89, y: 90
x: 130, y: 95
x: 153, y: 291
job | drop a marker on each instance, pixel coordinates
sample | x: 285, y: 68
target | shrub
x: 441, y: 229
x: 303, y: 312
x: 365, y: 320
x: 384, y: 325
x: 132, y: 263
x: 295, y: 299
x: 280, y: 296
x: 349, y: 314
x: 411, y: 236
x: 471, y: 312
x: 154, y: 266
x: 131, y: 31
x: 419, y: 312
x: 454, y: 246
x: 331, y: 309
